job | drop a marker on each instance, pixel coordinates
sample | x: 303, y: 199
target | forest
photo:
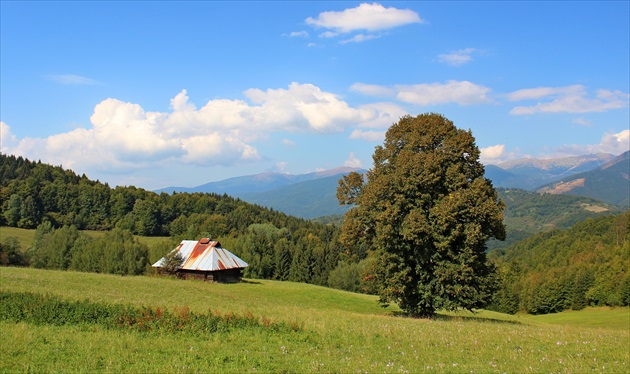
x: 567, y: 269
x: 59, y: 204
x: 586, y: 264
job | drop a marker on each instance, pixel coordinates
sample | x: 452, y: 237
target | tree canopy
x: 426, y: 211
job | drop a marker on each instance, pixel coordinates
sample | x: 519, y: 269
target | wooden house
x: 206, y: 260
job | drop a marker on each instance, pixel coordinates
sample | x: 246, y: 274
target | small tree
x: 172, y: 262
x: 427, y: 211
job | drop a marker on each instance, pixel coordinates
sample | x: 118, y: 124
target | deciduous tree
x: 427, y: 208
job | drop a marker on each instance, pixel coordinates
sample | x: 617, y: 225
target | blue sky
x: 157, y: 94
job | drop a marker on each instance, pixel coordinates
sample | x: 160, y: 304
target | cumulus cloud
x: 492, y: 154
x: 72, y: 80
x: 459, y: 92
x: 614, y: 143
x: 457, y: 58
x: 568, y: 99
x: 7, y: 138
x: 353, y: 161
x: 123, y: 136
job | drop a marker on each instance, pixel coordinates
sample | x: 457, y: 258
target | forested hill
x: 528, y: 213
x: 588, y: 264
x: 33, y: 191
x: 275, y: 245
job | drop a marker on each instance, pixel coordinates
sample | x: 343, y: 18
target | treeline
x: 60, y: 204
x: 586, y: 265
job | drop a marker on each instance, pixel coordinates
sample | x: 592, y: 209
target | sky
x: 157, y: 94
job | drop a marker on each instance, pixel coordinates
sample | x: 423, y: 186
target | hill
x: 609, y: 182
x: 62, y: 205
x: 568, y: 269
x: 335, y: 331
x: 529, y: 213
x: 307, y: 200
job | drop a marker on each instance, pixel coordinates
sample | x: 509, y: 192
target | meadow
x: 336, y: 331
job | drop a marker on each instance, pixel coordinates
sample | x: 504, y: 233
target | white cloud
x: 613, y: 143
x: 122, y: 136
x: 72, y: 80
x: 372, y: 89
x: 328, y: 34
x: 7, y: 139
x: 360, y: 38
x: 457, y: 58
x: 282, y: 166
x: 568, y: 99
x: 353, y: 161
x: 299, y: 34
x: 370, y: 135
x: 492, y: 154
x: 381, y: 115
x: 459, y: 92
x: 582, y: 122
x: 371, y: 17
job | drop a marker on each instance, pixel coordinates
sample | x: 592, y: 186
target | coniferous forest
x: 586, y: 264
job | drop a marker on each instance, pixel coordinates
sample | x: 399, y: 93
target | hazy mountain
x: 531, y: 173
x: 257, y: 183
x: 609, y: 182
x: 309, y: 199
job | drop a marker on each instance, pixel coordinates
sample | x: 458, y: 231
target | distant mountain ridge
x: 312, y: 195
x: 257, y: 183
x: 609, y: 183
x: 532, y: 173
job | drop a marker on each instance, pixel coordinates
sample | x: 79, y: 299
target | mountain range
x: 601, y: 176
x: 609, y: 182
x: 532, y: 173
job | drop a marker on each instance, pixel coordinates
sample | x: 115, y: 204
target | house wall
x: 219, y: 276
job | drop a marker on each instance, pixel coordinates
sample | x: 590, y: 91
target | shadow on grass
x: 246, y: 281
x: 455, y: 318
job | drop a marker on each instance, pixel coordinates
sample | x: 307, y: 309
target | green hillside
x: 334, y: 331
x: 529, y: 213
x: 586, y: 265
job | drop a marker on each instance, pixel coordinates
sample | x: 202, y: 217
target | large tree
x: 425, y: 211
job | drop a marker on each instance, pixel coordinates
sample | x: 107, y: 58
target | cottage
x: 207, y: 260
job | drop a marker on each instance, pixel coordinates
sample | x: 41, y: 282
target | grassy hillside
x: 340, y: 332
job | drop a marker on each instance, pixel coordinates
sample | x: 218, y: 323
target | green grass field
x: 341, y: 332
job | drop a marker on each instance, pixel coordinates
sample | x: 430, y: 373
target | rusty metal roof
x: 205, y: 255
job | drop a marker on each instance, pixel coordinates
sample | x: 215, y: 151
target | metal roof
x: 205, y: 255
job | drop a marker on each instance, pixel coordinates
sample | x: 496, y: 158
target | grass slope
x: 341, y: 332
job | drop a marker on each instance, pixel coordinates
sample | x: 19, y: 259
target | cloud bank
x: 124, y: 137
x: 568, y: 99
